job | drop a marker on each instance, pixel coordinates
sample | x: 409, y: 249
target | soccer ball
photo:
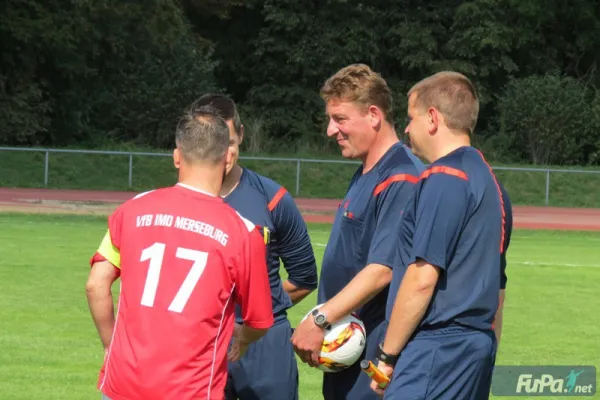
x: 343, y: 344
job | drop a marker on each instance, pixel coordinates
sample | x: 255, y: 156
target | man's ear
x: 375, y: 117
x: 241, y: 134
x: 176, y: 158
x: 434, y: 117
x: 228, y: 157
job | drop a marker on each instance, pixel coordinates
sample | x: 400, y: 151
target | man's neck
x: 454, y: 142
x: 231, y: 181
x: 385, y: 140
x: 203, y: 180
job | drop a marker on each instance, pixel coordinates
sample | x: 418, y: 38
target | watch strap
x: 382, y: 356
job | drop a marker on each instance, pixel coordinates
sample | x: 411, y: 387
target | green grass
x: 322, y: 180
x: 50, y: 347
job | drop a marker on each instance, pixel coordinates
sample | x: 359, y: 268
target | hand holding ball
x: 343, y: 344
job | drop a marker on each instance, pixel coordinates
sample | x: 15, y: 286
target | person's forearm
x: 498, y: 326
x: 412, y: 300
x: 249, y: 335
x: 499, y: 316
x: 365, y: 285
x: 296, y: 294
x: 101, y: 306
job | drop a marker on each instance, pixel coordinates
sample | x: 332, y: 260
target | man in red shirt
x: 184, y: 258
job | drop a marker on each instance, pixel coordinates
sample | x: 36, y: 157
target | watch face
x: 320, y: 319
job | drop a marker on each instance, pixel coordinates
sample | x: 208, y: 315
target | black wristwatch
x: 320, y: 319
x: 382, y: 356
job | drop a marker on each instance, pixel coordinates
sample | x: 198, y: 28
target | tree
x: 544, y: 119
x: 96, y: 72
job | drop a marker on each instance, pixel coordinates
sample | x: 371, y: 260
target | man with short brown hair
x: 453, y: 94
x: 361, y: 251
x: 443, y: 297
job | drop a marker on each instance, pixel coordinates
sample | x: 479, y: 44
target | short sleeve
x: 295, y: 248
x: 390, y: 206
x: 252, y: 290
x: 440, y: 216
x: 109, y: 249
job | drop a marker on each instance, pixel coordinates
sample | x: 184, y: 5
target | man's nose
x: 332, y: 129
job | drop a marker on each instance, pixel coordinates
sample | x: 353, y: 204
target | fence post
x: 547, y: 185
x: 46, y: 169
x: 297, y: 177
x: 130, y: 169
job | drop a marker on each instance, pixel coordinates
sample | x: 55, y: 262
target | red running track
x: 314, y: 210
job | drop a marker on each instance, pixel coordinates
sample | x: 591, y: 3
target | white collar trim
x: 195, y: 189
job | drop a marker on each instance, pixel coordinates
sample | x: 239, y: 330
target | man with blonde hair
x: 361, y: 251
x: 444, y: 293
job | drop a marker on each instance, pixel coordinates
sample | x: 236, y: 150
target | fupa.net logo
x: 549, y: 384
x: 552, y: 380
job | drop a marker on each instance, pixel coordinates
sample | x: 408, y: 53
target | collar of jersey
x: 195, y: 189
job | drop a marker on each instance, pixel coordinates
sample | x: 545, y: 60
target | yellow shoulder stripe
x: 266, y: 234
x: 108, y: 250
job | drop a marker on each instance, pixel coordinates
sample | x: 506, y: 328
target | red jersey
x: 185, y: 258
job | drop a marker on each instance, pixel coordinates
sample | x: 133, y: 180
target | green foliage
x: 24, y: 112
x: 295, y: 51
x: 113, y: 73
x: 545, y: 119
x: 111, y: 70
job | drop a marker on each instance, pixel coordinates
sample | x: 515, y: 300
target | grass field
x: 50, y: 349
x: 99, y: 171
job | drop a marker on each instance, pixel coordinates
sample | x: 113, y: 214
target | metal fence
x: 298, y: 161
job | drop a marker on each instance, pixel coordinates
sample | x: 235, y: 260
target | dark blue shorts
x: 353, y: 383
x: 448, y: 363
x: 268, y: 371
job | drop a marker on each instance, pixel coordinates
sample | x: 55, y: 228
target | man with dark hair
x: 184, y: 257
x: 269, y: 369
x: 444, y: 294
x: 361, y: 251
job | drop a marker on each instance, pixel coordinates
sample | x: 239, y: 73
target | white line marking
x: 557, y: 238
x: 552, y: 264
